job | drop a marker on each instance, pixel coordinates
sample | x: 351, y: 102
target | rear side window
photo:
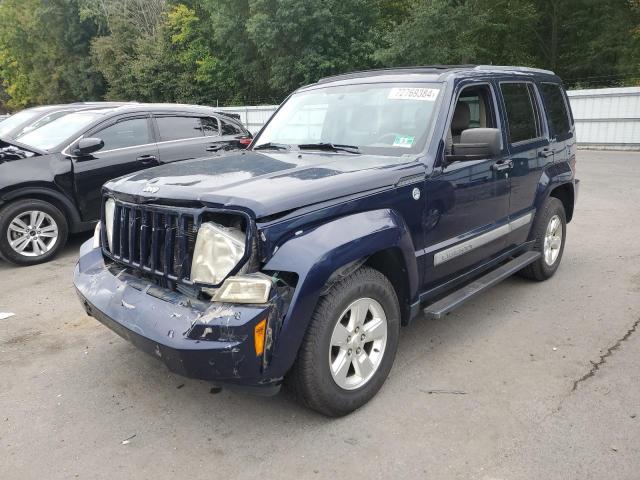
x: 556, y: 109
x: 178, y: 128
x: 126, y: 133
x: 521, y: 109
x: 229, y: 128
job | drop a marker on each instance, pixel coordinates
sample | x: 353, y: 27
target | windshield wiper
x: 272, y: 146
x: 334, y: 147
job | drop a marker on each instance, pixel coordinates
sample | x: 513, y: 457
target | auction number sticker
x: 408, y: 93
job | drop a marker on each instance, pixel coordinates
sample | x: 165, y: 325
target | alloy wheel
x: 358, y: 343
x: 553, y: 240
x: 32, y: 233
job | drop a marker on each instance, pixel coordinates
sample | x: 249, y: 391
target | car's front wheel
x: 350, y: 345
x: 31, y: 231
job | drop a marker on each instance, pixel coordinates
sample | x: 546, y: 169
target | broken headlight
x: 218, y: 250
x: 252, y: 288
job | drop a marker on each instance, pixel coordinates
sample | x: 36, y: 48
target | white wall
x: 252, y: 117
x: 606, y: 118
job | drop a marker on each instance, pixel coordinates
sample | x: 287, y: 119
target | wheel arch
x: 391, y: 263
x: 326, y: 253
x: 565, y: 193
x: 57, y: 199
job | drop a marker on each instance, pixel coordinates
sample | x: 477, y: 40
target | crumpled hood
x: 266, y: 183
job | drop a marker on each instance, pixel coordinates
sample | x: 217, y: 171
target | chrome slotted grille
x: 154, y: 240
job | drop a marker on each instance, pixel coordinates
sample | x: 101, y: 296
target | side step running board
x: 455, y: 299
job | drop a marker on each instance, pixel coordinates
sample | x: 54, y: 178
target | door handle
x: 214, y: 147
x: 501, y: 166
x: 545, y: 153
x: 147, y: 159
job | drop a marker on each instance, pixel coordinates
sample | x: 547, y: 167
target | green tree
x: 131, y: 52
x: 303, y: 40
x: 462, y: 31
x: 589, y: 42
x: 44, y: 50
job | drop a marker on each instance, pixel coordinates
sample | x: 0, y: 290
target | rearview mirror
x: 476, y: 144
x: 88, y: 145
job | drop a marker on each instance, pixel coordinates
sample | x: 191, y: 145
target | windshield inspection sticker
x: 424, y: 94
x: 402, y: 141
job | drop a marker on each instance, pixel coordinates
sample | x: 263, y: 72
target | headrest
x: 461, y: 117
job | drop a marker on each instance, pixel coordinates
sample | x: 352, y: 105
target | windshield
x: 15, y: 120
x: 41, y: 121
x: 59, y: 130
x: 384, y: 119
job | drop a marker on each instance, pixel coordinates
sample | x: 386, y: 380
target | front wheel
x: 31, y: 232
x: 549, y: 232
x: 350, y: 345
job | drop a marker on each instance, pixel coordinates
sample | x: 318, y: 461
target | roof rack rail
x: 513, y: 68
x: 388, y: 70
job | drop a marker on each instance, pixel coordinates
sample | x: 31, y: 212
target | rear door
x: 530, y: 150
x: 219, y: 135
x: 232, y: 135
x: 180, y: 137
x: 128, y: 146
x: 559, y: 120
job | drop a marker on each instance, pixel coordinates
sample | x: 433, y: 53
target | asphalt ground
x: 527, y: 381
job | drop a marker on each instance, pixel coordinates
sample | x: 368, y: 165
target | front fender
x: 315, y: 254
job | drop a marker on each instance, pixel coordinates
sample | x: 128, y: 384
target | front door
x: 128, y: 147
x: 467, y: 202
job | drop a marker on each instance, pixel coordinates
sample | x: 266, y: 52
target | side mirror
x: 476, y: 144
x: 89, y: 145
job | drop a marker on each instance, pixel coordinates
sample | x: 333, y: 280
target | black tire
x: 12, y: 211
x: 310, y: 378
x: 541, y: 270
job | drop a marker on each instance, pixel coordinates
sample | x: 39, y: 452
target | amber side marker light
x: 258, y: 336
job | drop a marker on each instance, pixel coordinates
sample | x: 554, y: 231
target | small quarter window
x: 229, y: 128
x: 556, y: 109
x: 521, y: 109
x: 179, y: 128
x: 210, y: 126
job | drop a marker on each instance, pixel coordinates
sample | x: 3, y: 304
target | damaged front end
x: 228, y: 343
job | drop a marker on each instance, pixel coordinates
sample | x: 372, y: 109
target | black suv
x: 366, y: 200
x: 51, y: 175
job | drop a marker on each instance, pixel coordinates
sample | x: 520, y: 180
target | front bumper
x: 195, y: 339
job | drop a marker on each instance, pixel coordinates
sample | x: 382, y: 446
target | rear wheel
x: 549, y: 232
x: 350, y: 345
x: 31, y: 232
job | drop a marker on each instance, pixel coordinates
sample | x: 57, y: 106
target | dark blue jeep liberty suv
x: 367, y: 199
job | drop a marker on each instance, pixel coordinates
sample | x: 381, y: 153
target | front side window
x: 126, y: 133
x: 556, y: 109
x: 520, y: 105
x: 474, y: 109
x: 381, y: 118
x: 178, y: 128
